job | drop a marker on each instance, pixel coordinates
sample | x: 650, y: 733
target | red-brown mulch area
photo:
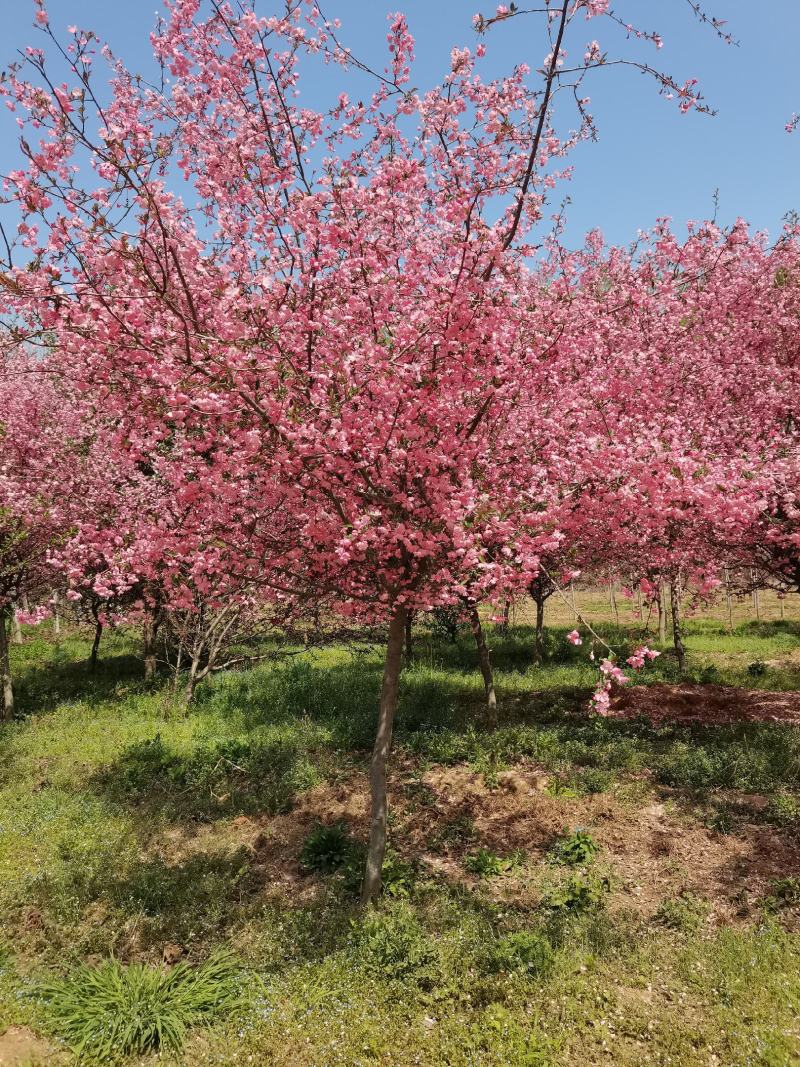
x: 715, y: 705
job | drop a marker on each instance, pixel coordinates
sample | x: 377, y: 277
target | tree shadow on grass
x: 133, y: 905
x: 773, y: 628
x: 47, y: 674
x: 214, y: 779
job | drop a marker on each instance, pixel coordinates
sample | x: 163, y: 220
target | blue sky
x: 650, y: 160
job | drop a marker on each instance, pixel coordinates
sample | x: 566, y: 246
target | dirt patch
x: 21, y: 1047
x: 715, y: 705
x: 443, y: 814
x: 656, y: 852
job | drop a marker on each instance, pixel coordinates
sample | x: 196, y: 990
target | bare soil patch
x: 714, y: 705
x: 21, y: 1047
x: 652, y: 852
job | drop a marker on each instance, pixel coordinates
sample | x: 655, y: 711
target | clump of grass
x: 575, y: 850
x: 783, y: 809
x: 327, y: 848
x: 686, y: 912
x: 107, y: 1012
x: 721, y: 820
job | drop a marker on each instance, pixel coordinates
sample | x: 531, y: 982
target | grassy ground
x: 560, y: 890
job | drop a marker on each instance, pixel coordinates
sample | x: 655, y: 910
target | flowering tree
x: 315, y: 311
x: 44, y: 449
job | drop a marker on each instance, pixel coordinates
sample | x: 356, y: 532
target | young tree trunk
x: 538, y: 641
x: 371, y: 885
x: 675, y: 594
x: 56, y: 616
x: 98, y: 633
x: 662, y: 614
x: 485, y: 662
x: 409, y: 638
x: 191, y: 681
x: 506, y: 616
x: 149, y: 635
x: 729, y: 598
x: 16, y: 629
x: 612, y: 596
x: 7, y: 706
x: 178, y: 664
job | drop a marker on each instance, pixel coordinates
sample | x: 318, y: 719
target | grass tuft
x: 107, y: 1012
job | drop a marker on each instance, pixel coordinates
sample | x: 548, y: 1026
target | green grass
x: 109, y: 1012
x: 127, y: 826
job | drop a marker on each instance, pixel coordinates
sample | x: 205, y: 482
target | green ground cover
x: 559, y: 889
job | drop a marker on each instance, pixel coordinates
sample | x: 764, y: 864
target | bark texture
x: 371, y: 886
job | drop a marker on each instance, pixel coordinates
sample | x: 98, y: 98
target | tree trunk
x: 675, y: 594
x: 98, y: 633
x: 371, y: 885
x: 149, y: 634
x: 729, y: 599
x: 178, y: 664
x: 662, y: 614
x: 191, y: 682
x: 16, y: 629
x: 7, y: 707
x: 506, y: 616
x: 409, y: 638
x: 485, y: 663
x: 56, y: 616
x: 538, y: 642
x: 612, y: 596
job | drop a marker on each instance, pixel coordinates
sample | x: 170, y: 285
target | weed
x: 393, y: 945
x: 488, y: 865
x: 785, y: 894
x: 524, y: 952
x: 575, y: 850
x: 721, y: 820
x: 499, y: 1038
x: 397, y: 876
x: 581, y: 893
x: 783, y: 809
x: 110, y: 1011
x: 457, y: 831
x: 327, y: 848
